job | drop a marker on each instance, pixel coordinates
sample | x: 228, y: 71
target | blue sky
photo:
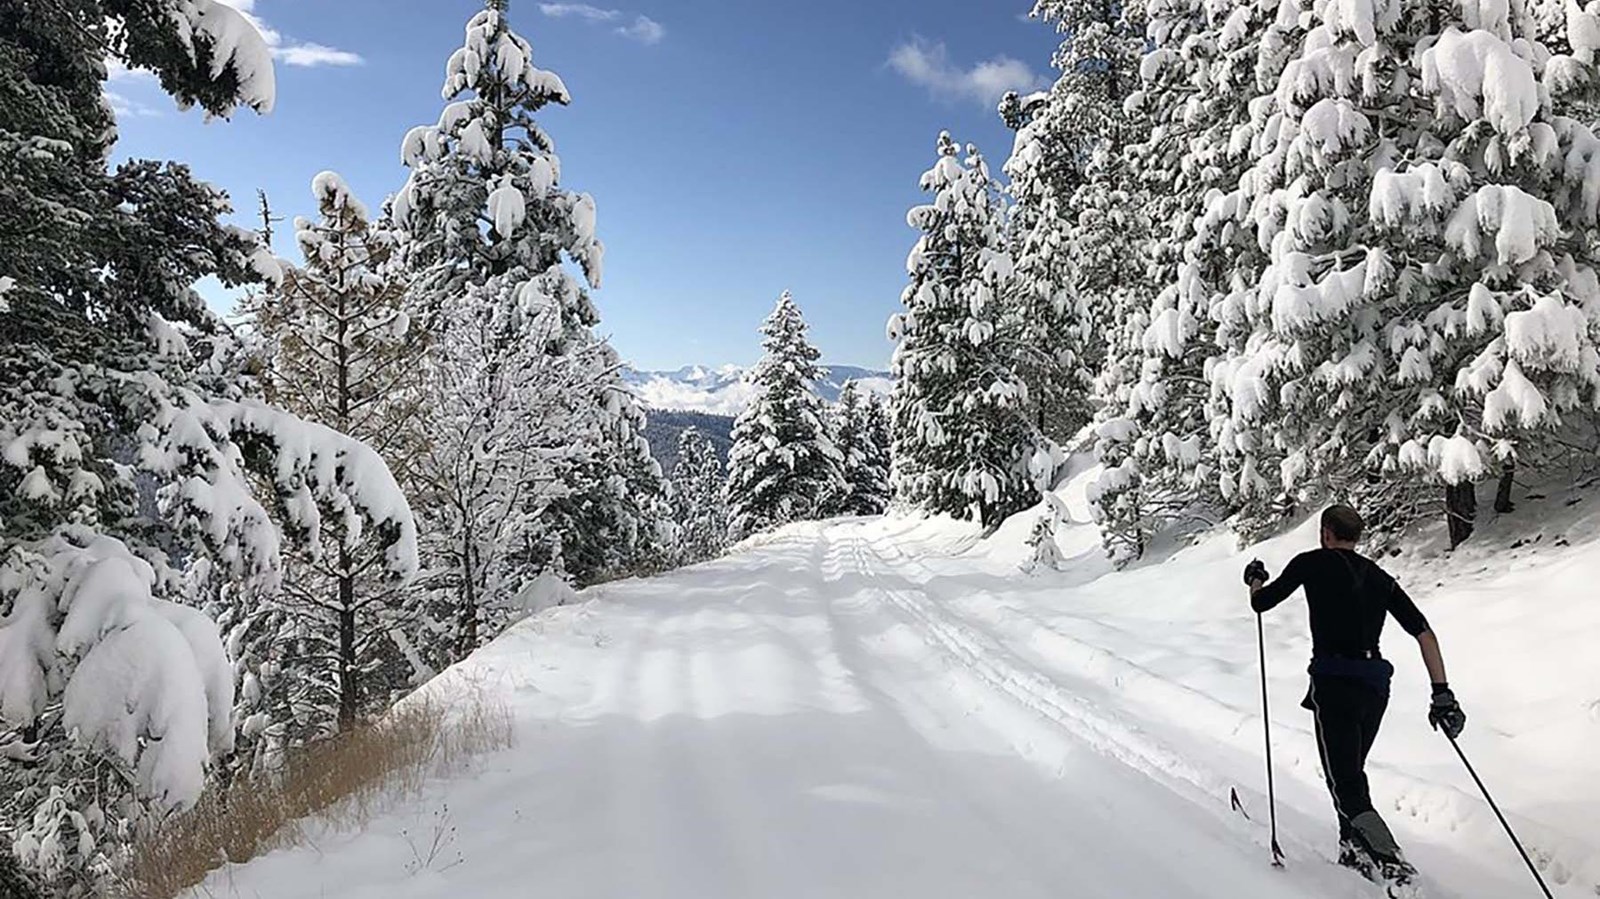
x: 735, y: 149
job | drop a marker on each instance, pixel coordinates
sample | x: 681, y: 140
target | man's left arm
x: 1444, y: 712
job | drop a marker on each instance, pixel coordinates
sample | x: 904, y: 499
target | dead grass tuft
x: 344, y: 781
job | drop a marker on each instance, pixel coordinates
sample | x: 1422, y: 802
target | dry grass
x: 344, y: 781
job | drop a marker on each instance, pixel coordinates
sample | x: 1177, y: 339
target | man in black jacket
x: 1349, y: 598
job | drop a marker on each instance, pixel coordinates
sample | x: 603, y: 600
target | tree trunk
x: 347, y: 641
x: 347, y: 581
x: 1502, y: 496
x: 467, y: 620
x: 1461, y: 510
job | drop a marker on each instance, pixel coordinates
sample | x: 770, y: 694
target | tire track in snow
x: 1002, y: 670
x: 1078, y: 724
x: 1014, y: 672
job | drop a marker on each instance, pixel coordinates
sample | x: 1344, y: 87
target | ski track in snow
x: 825, y: 715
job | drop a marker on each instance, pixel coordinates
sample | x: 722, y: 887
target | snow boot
x: 1373, y: 840
x: 1399, y: 880
x: 1354, y: 856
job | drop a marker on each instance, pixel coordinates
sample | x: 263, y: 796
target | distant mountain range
x: 723, y: 391
x: 710, y: 398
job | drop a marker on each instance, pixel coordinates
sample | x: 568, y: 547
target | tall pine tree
x: 138, y: 467
x: 1422, y: 319
x: 966, y: 441
x: 783, y: 466
x: 339, y: 349
x: 545, y: 463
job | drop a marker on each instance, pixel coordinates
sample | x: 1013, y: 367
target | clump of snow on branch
x: 140, y: 678
x: 233, y: 43
x: 1478, y: 74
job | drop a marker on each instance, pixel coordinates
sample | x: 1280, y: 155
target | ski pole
x: 1503, y: 822
x: 1266, y: 728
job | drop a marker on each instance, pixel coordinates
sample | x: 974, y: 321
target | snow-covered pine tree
x: 130, y: 450
x: 880, y: 434
x: 698, y: 498
x: 1223, y: 258
x: 525, y: 389
x: 966, y: 440
x: 338, y: 348
x: 1045, y: 551
x: 1058, y: 351
x: 866, y: 459
x: 14, y: 882
x: 615, y: 520
x: 1060, y: 300
x: 1099, y: 57
x: 1422, y: 319
x: 1188, y: 127
x: 1111, y: 245
x: 783, y: 466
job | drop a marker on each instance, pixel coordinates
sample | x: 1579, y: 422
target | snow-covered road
x: 823, y: 716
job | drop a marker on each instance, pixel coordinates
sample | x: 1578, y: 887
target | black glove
x: 1445, y: 713
x: 1256, y: 573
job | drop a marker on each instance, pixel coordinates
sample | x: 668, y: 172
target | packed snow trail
x: 826, y: 714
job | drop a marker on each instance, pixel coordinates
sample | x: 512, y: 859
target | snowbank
x: 1172, y: 646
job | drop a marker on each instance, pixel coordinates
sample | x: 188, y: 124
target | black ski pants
x: 1348, y: 713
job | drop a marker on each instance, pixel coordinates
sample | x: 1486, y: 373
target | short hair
x: 1343, y: 522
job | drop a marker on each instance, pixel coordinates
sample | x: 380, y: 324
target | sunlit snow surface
x: 887, y: 708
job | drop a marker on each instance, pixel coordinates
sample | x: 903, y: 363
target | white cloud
x: 928, y: 65
x: 117, y: 72
x: 124, y: 107
x: 643, y: 29
x: 308, y: 55
x: 581, y: 10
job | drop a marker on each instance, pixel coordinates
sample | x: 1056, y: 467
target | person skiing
x: 1349, y: 597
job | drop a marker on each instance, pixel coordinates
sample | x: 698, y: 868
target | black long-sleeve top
x: 1349, y: 597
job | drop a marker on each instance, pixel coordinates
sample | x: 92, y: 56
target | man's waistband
x: 1365, y: 655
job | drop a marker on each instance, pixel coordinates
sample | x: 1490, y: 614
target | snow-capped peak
x: 722, y: 390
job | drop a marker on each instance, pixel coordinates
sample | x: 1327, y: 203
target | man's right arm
x: 1264, y: 597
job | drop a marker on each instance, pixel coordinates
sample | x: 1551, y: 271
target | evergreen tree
x: 1079, y: 228
x: 338, y: 348
x: 1223, y: 258
x: 1186, y: 125
x: 1421, y: 319
x: 858, y: 434
x: 965, y: 438
x: 545, y: 463
x: 699, y: 505
x: 880, y: 437
x: 135, y: 456
x: 615, y: 520
x: 783, y: 466
x: 1058, y: 349
x: 14, y: 882
x: 1066, y: 202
